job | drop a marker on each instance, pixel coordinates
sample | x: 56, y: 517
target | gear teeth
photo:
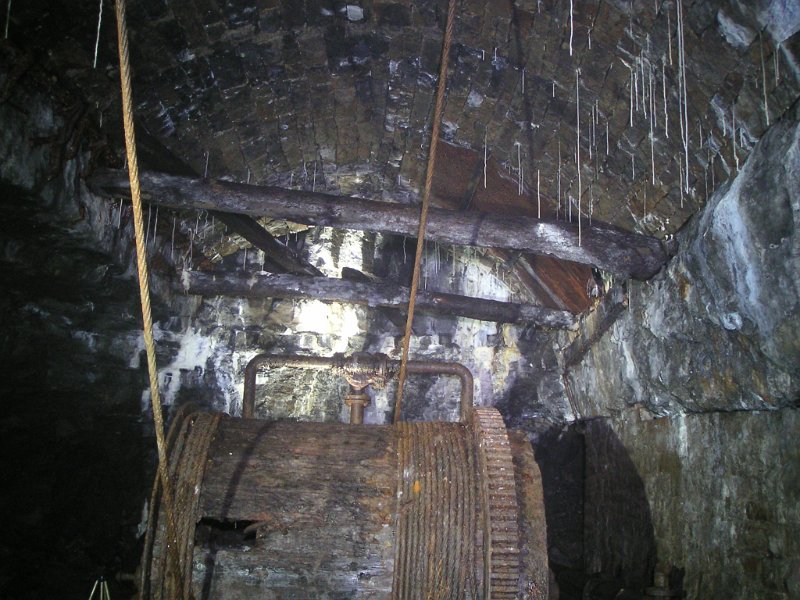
x: 502, y: 578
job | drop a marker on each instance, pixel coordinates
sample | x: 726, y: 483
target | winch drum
x: 289, y: 509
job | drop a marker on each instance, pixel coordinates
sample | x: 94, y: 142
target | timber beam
x: 152, y: 152
x: 253, y: 232
x: 372, y: 294
x: 610, y: 249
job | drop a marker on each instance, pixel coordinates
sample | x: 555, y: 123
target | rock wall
x: 691, y: 397
x: 203, y: 345
x: 74, y: 447
x: 724, y: 499
x: 718, y: 329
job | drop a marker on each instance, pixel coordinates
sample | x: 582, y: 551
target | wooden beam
x: 622, y: 253
x: 395, y: 315
x: 376, y: 295
x: 153, y: 153
x: 253, y: 232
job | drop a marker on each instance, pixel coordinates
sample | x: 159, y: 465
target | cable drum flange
x: 500, y: 509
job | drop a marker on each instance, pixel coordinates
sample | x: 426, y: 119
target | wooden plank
x: 251, y: 230
x: 281, y: 470
x: 623, y: 253
x: 383, y: 295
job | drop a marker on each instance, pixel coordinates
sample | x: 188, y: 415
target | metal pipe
x: 276, y: 360
x: 357, y: 399
x: 425, y: 367
x: 338, y: 361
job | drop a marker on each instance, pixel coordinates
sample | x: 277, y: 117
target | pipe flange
x: 362, y: 369
x: 501, y: 539
x: 359, y: 398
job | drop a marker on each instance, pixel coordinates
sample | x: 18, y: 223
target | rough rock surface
x: 724, y: 493
x: 719, y: 328
x: 687, y: 405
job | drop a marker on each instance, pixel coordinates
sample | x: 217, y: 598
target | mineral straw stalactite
x: 644, y: 88
x: 97, y: 40
x: 571, y: 27
x: 652, y: 129
x: 485, y: 156
x: 764, y: 77
x: 558, y: 206
x: 733, y: 137
x: 8, y: 19
x: 664, y: 89
x: 630, y: 120
x: 578, y: 144
x: 685, y: 108
x: 669, y: 37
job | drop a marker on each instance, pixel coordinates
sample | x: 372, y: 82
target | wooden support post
x: 596, y: 324
x: 253, y: 232
x: 153, y: 154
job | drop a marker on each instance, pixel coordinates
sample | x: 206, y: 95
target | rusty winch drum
x: 288, y: 509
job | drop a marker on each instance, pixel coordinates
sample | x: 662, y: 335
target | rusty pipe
x: 418, y: 367
x: 275, y: 360
x: 357, y: 399
x: 426, y: 367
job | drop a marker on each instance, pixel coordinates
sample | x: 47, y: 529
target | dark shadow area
x: 73, y: 490
x: 73, y: 443
x: 618, y: 529
x: 560, y: 454
x: 600, y: 535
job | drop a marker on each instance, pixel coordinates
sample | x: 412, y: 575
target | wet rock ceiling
x: 337, y: 96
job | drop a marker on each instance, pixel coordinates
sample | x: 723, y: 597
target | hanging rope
x: 141, y: 263
x: 423, y: 217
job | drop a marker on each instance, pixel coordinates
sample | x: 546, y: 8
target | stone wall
x: 718, y: 329
x: 204, y: 344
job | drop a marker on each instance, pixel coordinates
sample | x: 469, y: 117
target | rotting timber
x: 287, y: 509
x: 620, y: 252
x: 376, y: 294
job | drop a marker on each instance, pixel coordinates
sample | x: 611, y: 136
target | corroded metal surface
x: 500, y: 510
x: 359, y: 369
x: 451, y: 511
x: 189, y: 439
x: 437, y: 517
x: 426, y: 510
x: 535, y: 579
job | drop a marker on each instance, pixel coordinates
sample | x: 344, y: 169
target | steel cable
x: 141, y: 260
x: 426, y: 197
